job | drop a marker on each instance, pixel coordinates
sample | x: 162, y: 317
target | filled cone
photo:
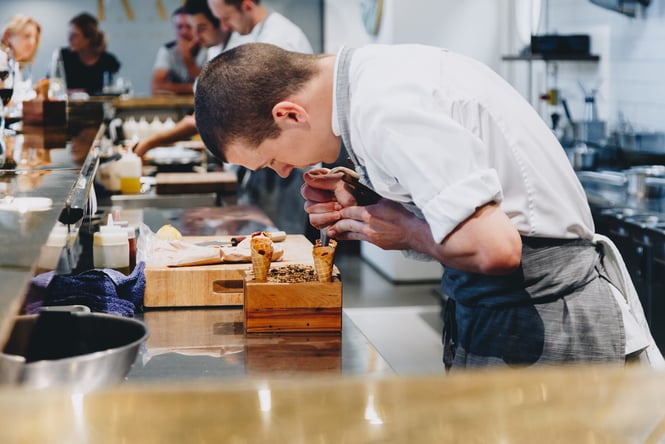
x: 323, y: 260
x: 261, y: 245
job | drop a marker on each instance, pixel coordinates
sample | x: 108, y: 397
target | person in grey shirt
x: 178, y: 62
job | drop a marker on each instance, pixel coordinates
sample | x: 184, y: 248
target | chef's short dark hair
x: 237, y: 90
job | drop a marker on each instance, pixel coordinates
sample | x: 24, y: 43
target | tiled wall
x: 631, y: 73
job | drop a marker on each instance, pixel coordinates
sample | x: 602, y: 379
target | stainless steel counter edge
x: 23, y: 234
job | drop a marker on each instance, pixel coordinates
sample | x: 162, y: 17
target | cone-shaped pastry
x: 261, y: 245
x: 323, y: 260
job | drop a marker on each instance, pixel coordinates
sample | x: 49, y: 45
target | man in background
x: 252, y: 19
x: 178, y: 62
x: 209, y: 34
x: 278, y: 197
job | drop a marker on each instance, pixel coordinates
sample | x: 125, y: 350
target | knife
x: 364, y: 195
x: 323, y: 236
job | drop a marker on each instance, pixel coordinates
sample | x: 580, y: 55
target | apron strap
x: 343, y: 100
x: 449, y: 338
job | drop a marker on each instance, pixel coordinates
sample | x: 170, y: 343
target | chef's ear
x: 288, y: 114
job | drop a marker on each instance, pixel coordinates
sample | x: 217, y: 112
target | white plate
x: 26, y: 204
x: 172, y: 155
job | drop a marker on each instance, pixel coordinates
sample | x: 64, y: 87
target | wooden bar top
x: 158, y: 102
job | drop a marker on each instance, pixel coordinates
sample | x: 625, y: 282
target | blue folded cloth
x: 102, y: 290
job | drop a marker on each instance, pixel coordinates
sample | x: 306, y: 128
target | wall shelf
x: 552, y: 58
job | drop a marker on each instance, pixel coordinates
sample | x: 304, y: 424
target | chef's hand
x: 325, y: 195
x: 386, y: 224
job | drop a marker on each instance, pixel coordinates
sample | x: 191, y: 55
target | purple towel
x: 102, y: 290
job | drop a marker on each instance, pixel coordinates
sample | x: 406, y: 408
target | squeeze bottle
x: 110, y: 247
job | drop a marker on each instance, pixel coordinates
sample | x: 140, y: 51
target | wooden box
x: 45, y: 112
x: 292, y: 307
x: 212, y: 285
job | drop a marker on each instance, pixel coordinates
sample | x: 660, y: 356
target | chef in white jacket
x: 469, y: 174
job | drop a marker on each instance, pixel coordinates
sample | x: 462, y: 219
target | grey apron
x: 556, y: 308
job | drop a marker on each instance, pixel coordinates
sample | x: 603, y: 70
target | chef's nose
x: 282, y: 169
x: 226, y: 25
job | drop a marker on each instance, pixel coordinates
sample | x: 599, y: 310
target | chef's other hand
x: 386, y: 224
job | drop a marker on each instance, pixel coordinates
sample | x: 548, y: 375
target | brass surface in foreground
x: 569, y: 405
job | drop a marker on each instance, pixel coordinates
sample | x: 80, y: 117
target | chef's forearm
x: 485, y: 243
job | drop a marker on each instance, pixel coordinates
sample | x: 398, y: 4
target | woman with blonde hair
x: 22, y: 34
x: 86, y: 60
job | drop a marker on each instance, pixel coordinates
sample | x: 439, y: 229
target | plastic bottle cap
x: 110, y: 234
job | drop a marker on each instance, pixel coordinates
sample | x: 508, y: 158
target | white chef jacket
x: 444, y: 132
x: 280, y: 31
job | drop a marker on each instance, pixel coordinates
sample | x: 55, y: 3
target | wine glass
x: 7, y: 76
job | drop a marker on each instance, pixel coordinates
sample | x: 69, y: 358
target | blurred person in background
x: 86, y: 62
x: 22, y: 34
x: 252, y: 19
x: 210, y: 35
x: 278, y: 197
x: 178, y: 62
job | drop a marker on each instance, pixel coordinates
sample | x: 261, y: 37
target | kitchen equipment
x: 224, y: 182
x: 582, y: 157
x: 589, y: 131
x: 560, y: 45
x: 173, y: 158
x: 111, y: 247
x: 647, y: 142
x: 627, y: 7
x: 636, y: 177
x: 77, y: 350
x: 364, y: 195
x: 566, y: 110
x: 324, y: 240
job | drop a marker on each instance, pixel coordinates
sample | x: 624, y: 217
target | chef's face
x: 183, y: 29
x: 77, y: 41
x: 286, y: 152
x: 232, y: 18
x: 204, y: 30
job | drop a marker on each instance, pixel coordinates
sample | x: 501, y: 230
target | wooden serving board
x: 182, y: 183
x: 212, y: 285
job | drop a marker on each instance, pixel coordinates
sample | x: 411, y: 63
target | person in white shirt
x: 254, y: 22
x: 178, y: 62
x: 469, y: 176
x: 252, y: 19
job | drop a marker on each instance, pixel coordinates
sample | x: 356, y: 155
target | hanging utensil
x: 566, y: 110
x: 162, y: 10
x: 128, y: 10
